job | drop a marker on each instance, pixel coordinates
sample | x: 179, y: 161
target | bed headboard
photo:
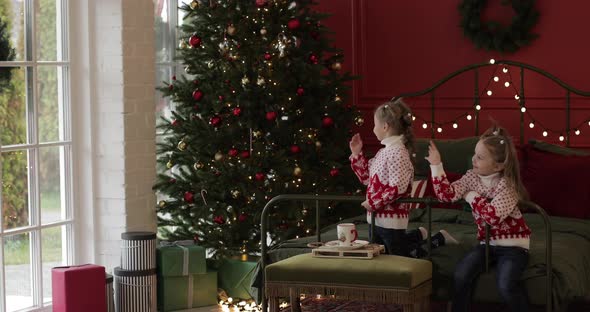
x: 499, y: 67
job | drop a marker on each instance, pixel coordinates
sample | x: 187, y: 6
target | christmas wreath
x: 492, y: 35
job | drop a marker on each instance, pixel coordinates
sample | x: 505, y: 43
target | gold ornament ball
x: 260, y: 81
x: 337, y: 99
x: 257, y: 134
x: 182, y: 145
x: 235, y: 194
x: 162, y: 203
x: 263, y: 31
x: 182, y: 44
x: 198, y: 166
x: 318, y: 144
x: 169, y: 164
x: 219, y: 156
x: 210, y: 64
x: 231, y: 30
x: 336, y: 66
x: 359, y: 121
x: 297, y: 171
x: 194, y: 4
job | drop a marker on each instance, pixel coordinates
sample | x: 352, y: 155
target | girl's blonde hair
x: 398, y: 116
x: 501, y: 146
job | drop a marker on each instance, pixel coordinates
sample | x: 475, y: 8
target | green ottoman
x: 384, y: 279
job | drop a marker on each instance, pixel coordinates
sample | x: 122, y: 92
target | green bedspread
x: 571, y: 255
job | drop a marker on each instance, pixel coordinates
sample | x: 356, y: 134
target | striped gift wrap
x: 138, y: 251
x: 135, y: 291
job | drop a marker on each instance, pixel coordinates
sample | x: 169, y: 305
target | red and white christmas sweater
x: 492, y: 201
x: 388, y: 176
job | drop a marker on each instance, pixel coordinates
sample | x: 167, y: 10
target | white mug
x: 347, y: 234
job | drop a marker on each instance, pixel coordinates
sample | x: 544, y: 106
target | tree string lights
x: 533, y: 122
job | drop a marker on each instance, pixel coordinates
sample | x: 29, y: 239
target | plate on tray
x: 335, y: 244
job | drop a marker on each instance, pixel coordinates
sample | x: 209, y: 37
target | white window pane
x: 17, y: 266
x: 52, y: 254
x: 13, y: 108
x: 164, y: 35
x: 50, y: 106
x: 46, y: 30
x: 50, y: 184
x: 15, y: 210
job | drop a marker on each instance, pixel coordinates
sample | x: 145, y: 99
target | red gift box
x: 78, y: 288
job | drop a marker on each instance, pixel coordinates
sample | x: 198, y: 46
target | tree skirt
x: 334, y: 305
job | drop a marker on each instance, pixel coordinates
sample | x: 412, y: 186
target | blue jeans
x: 404, y: 243
x: 510, y: 264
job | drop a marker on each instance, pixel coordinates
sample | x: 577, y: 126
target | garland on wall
x: 502, y: 77
x: 492, y: 35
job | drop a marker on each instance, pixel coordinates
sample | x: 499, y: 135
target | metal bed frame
x: 427, y: 201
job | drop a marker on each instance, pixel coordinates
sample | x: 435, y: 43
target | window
x: 36, y: 228
x: 168, y: 17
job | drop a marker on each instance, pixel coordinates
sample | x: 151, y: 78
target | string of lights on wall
x: 508, y: 83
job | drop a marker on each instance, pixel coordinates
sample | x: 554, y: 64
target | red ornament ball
x: 237, y: 111
x: 219, y: 220
x: 173, y: 77
x: 270, y: 116
x: 313, y: 59
x: 327, y: 121
x: 197, y: 95
x: 267, y: 56
x: 221, y: 97
x: 233, y: 152
x: 295, y: 149
x: 189, y: 197
x: 300, y: 91
x: 170, y: 87
x: 245, y: 154
x: 194, y: 41
x: 175, y: 122
x: 215, y: 121
x: 259, y: 176
x: 293, y: 24
x: 242, y: 217
x: 172, y: 181
x: 261, y: 3
x: 334, y: 172
x: 196, y: 238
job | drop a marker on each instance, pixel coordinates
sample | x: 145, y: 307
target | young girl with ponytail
x: 388, y: 177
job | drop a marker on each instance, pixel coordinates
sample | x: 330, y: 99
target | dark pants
x: 405, y: 243
x: 510, y: 263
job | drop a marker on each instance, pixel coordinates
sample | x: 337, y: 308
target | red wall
x: 406, y: 46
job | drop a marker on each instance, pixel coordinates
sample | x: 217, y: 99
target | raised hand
x: 433, y: 154
x: 356, y: 144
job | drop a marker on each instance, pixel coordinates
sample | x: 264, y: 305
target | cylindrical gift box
x: 109, y: 292
x: 135, y: 291
x: 138, y: 251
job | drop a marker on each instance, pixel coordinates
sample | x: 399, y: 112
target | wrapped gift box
x: 180, y: 259
x: 184, y: 292
x: 235, y: 277
x: 78, y: 288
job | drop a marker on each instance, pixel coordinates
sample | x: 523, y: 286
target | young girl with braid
x: 493, y: 189
x: 388, y: 177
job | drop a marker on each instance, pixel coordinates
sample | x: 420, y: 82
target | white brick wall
x: 115, y: 125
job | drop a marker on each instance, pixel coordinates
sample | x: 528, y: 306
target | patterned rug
x: 334, y: 305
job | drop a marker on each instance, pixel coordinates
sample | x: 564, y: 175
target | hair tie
x: 386, y: 106
x: 495, y: 132
x: 501, y: 141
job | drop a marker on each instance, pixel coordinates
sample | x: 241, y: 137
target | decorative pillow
x: 418, y: 189
x: 456, y: 154
x: 556, y: 149
x: 424, y: 188
x: 558, y: 183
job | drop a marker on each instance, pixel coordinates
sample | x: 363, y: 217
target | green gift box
x: 179, y: 259
x: 235, y: 277
x: 185, y: 292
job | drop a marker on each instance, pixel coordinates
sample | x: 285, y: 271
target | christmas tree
x: 261, y: 111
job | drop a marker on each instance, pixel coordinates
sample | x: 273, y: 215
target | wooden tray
x: 367, y: 252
